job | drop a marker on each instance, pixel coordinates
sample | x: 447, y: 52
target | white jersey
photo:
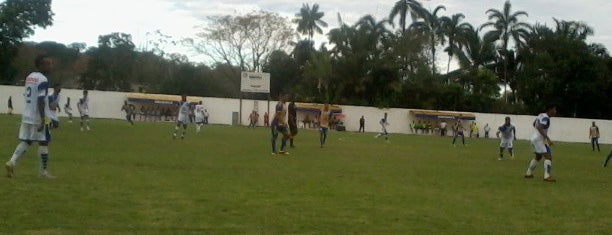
x: 544, y: 121
x: 507, y: 131
x: 199, y: 111
x: 184, y: 109
x: 36, y: 87
x: 83, y: 106
x: 51, y: 106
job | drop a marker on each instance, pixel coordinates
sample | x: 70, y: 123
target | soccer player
x: 443, y: 126
x: 487, y: 129
x: 199, y: 116
x: 129, y: 110
x: 458, y: 129
x: 541, y: 144
x: 293, y: 128
x: 68, y: 109
x: 53, y: 100
x: 508, y: 132
x: 33, y: 127
x: 594, y: 135
x: 10, y: 105
x: 324, y: 118
x: 383, y: 124
x: 83, y: 107
x: 183, y: 117
x: 362, y: 124
x: 279, y: 125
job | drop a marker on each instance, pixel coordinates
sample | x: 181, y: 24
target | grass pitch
x: 136, y: 179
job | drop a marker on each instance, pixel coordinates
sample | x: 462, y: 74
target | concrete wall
x: 108, y: 105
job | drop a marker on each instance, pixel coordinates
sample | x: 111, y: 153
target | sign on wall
x: 255, y: 82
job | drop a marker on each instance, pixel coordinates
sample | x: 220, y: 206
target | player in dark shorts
x: 292, y: 122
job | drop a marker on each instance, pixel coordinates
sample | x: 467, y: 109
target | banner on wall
x: 255, y: 82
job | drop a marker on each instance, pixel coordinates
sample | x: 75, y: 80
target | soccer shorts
x: 506, y: 143
x: 182, y: 118
x: 84, y: 116
x: 199, y: 120
x: 323, y: 130
x: 29, y: 132
x: 282, y: 130
x: 539, y: 147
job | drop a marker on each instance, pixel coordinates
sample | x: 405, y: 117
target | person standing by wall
x: 594, y: 135
x: 10, y: 105
x: 362, y: 124
x: 487, y: 129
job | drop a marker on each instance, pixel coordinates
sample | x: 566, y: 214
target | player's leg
x: 184, y: 130
x: 597, y: 143
x: 285, y: 133
x: 176, y: 128
x: 455, y: 138
x: 501, y: 152
x: 274, y: 137
x: 27, y: 133
x: 463, y: 139
x: 532, y: 165
x: 548, y: 166
x: 608, y: 159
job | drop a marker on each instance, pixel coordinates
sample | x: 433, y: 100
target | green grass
x: 136, y: 179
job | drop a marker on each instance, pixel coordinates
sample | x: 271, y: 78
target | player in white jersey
x: 183, y: 117
x: 68, y: 109
x: 383, y: 123
x: 83, y: 107
x: 199, y: 116
x: 53, y: 100
x: 508, y: 135
x: 541, y: 144
x: 33, y: 127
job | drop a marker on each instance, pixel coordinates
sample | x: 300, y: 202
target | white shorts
x: 539, y: 146
x: 199, y: 119
x: 182, y: 118
x: 506, y: 143
x: 29, y: 132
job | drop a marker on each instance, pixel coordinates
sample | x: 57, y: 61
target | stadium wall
x: 105, y: 104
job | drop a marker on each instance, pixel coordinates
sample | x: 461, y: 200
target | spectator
x: 362, y: 124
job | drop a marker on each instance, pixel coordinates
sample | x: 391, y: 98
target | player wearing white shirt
x: 541, y: 144
x: 83, y: 107
x: 68, y: 109
x: 199, y: 116
x: 508, y: 135
x: 33, y: 127
x: 53, y: 99
x: 183, y: 116
x: 384, y: 123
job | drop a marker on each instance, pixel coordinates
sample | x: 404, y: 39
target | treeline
x: 386, y: 63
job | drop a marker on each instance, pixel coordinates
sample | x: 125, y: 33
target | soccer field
x: 136, y: 179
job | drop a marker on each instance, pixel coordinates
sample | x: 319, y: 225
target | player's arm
x: 514, y: 131
x: 497, y: 133
x: 42, y: 95
x: 540, y: 129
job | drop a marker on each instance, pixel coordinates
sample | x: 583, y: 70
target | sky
x: 85, y: 20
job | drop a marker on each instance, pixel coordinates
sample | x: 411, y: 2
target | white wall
x: 108, y: 105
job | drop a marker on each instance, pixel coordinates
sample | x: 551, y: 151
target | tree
x: 243, y: 41
x: 309, y: 20
x: 110, y: 65
x: 431, y: 25
x: 506, y: 26
x: 455, y: 32
x: 404, y: 7
x: 17, y: 21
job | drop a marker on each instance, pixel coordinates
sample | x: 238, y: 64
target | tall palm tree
x: 309, y: 20
x: 431, y: 25
x: 506, y: 26
x: 403, y: 8
x: 475, y: 52
x: 454, y: 30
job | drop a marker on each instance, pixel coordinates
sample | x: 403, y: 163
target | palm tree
x: 309, y: 20
x: 454, y: 30
x: 431, y: 25
x: 506, y: 26
x: 402, y: 8
x: 475, y: 52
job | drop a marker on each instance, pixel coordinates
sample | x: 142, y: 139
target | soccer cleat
x: 550, y: 180
x: 46, y: 175
x: 10, y: 169
x: 283, y: 153
x: 81, y: 128
x: 499, y: 159
x: 528, y: 176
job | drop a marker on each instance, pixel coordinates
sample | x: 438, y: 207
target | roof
x: 159, y: 98
x: 316, y: 108
x: 443, y: 115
